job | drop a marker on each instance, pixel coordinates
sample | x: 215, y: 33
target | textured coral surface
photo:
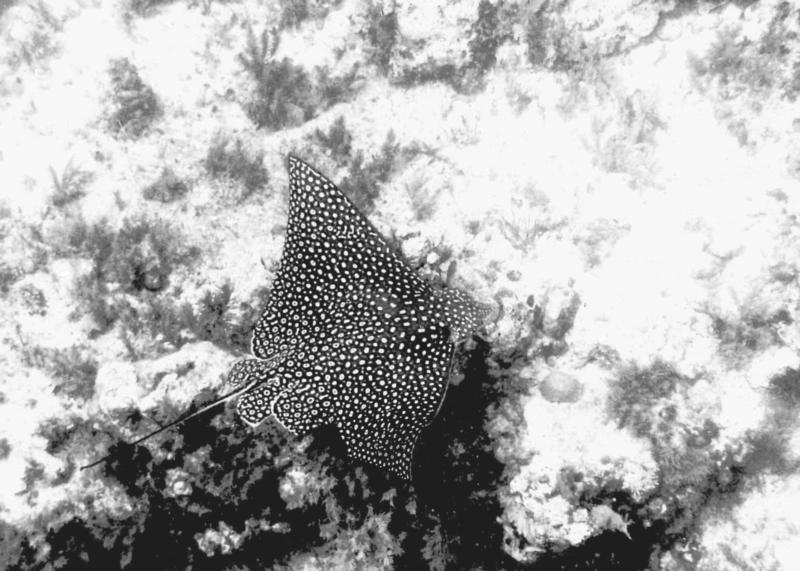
x: 620, y: 179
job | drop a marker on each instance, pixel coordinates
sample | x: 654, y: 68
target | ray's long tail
x: 221, y: 400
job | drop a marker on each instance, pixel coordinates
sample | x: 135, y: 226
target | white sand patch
x: 763, y: 528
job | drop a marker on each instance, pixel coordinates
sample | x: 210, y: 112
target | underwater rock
x: 117, y: 386
x: 560, y: 306
x: 563, y: 461
x: 561, y: 387
x: 181, y: 375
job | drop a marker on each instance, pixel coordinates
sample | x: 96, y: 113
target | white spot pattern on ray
x: 351, y: 336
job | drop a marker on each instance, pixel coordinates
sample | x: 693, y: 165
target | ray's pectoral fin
x: 388, y: 447
x: 260, y: 384
x: 381, y: 419
x: 255, y: 405
x: 460, y: 312
x: 304, y: 408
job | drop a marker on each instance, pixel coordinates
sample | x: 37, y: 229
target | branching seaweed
x: 135, y: 104
x: 742, y: 64
x: 285, y: 95
x: 135, y: 259
x: 74, y: 369
x: 228, y: 158
x: 380, y: 34
x: 68, y: 186
x: 295, y: 12
x: 167, y: 188
x: 365, y: 177
x: 338, y: 140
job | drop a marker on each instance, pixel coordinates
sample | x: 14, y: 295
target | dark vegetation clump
x: 94, y: 300
x: 128, y: 283
x: 554, y: 46
x: 283, y: 90
x: 59, y: 432
x: 785, y: 388
x: 285, y: 95
x: 211, y: 321
x: 646, y: 401
x: 137, y: 258
x: 485, y: 39
x: 230, y: 497
x: 338, y: 140
x: 693, y: 473
x: 34, y: 473
x: 538, y: 28
x: 295, y: 12
x: 40, y: 38
x: 545, y: 338
x: 171, y: 325
x: 364, y: 174
x: 739, y: 64
x: 489, y: 30
x: 5, y: 5
x: 770, y: 447
x: 74, y: 370
x: 135, y: 104
x: 33, y: 300
x: 9, y: 272
x: 753, y: 331
x: 492, y: 26
x: 228, y: 159
x: 380, y: 34
x: 145, y: 7
x: 423, y: 200
x: 68, y: 186
x: 549, y: 43
x: 5, y: 448
x: 8, y: 276
x: 637, y: 393
x: 167, y: 188
x: 365, y: 177
x: 152, y: 318
x: 217, y: 321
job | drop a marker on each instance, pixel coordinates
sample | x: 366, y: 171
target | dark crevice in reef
x: 236, y: 482
x: 456, y: 477
x: 650, y: 533
x: 446, y: 519
x: 232, y: 475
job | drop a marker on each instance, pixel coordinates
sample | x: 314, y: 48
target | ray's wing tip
x: 488, y: 311
x: 483, y: 310
x: 293, y: 162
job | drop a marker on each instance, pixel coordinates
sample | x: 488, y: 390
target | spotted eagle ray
x: 351, y: 336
